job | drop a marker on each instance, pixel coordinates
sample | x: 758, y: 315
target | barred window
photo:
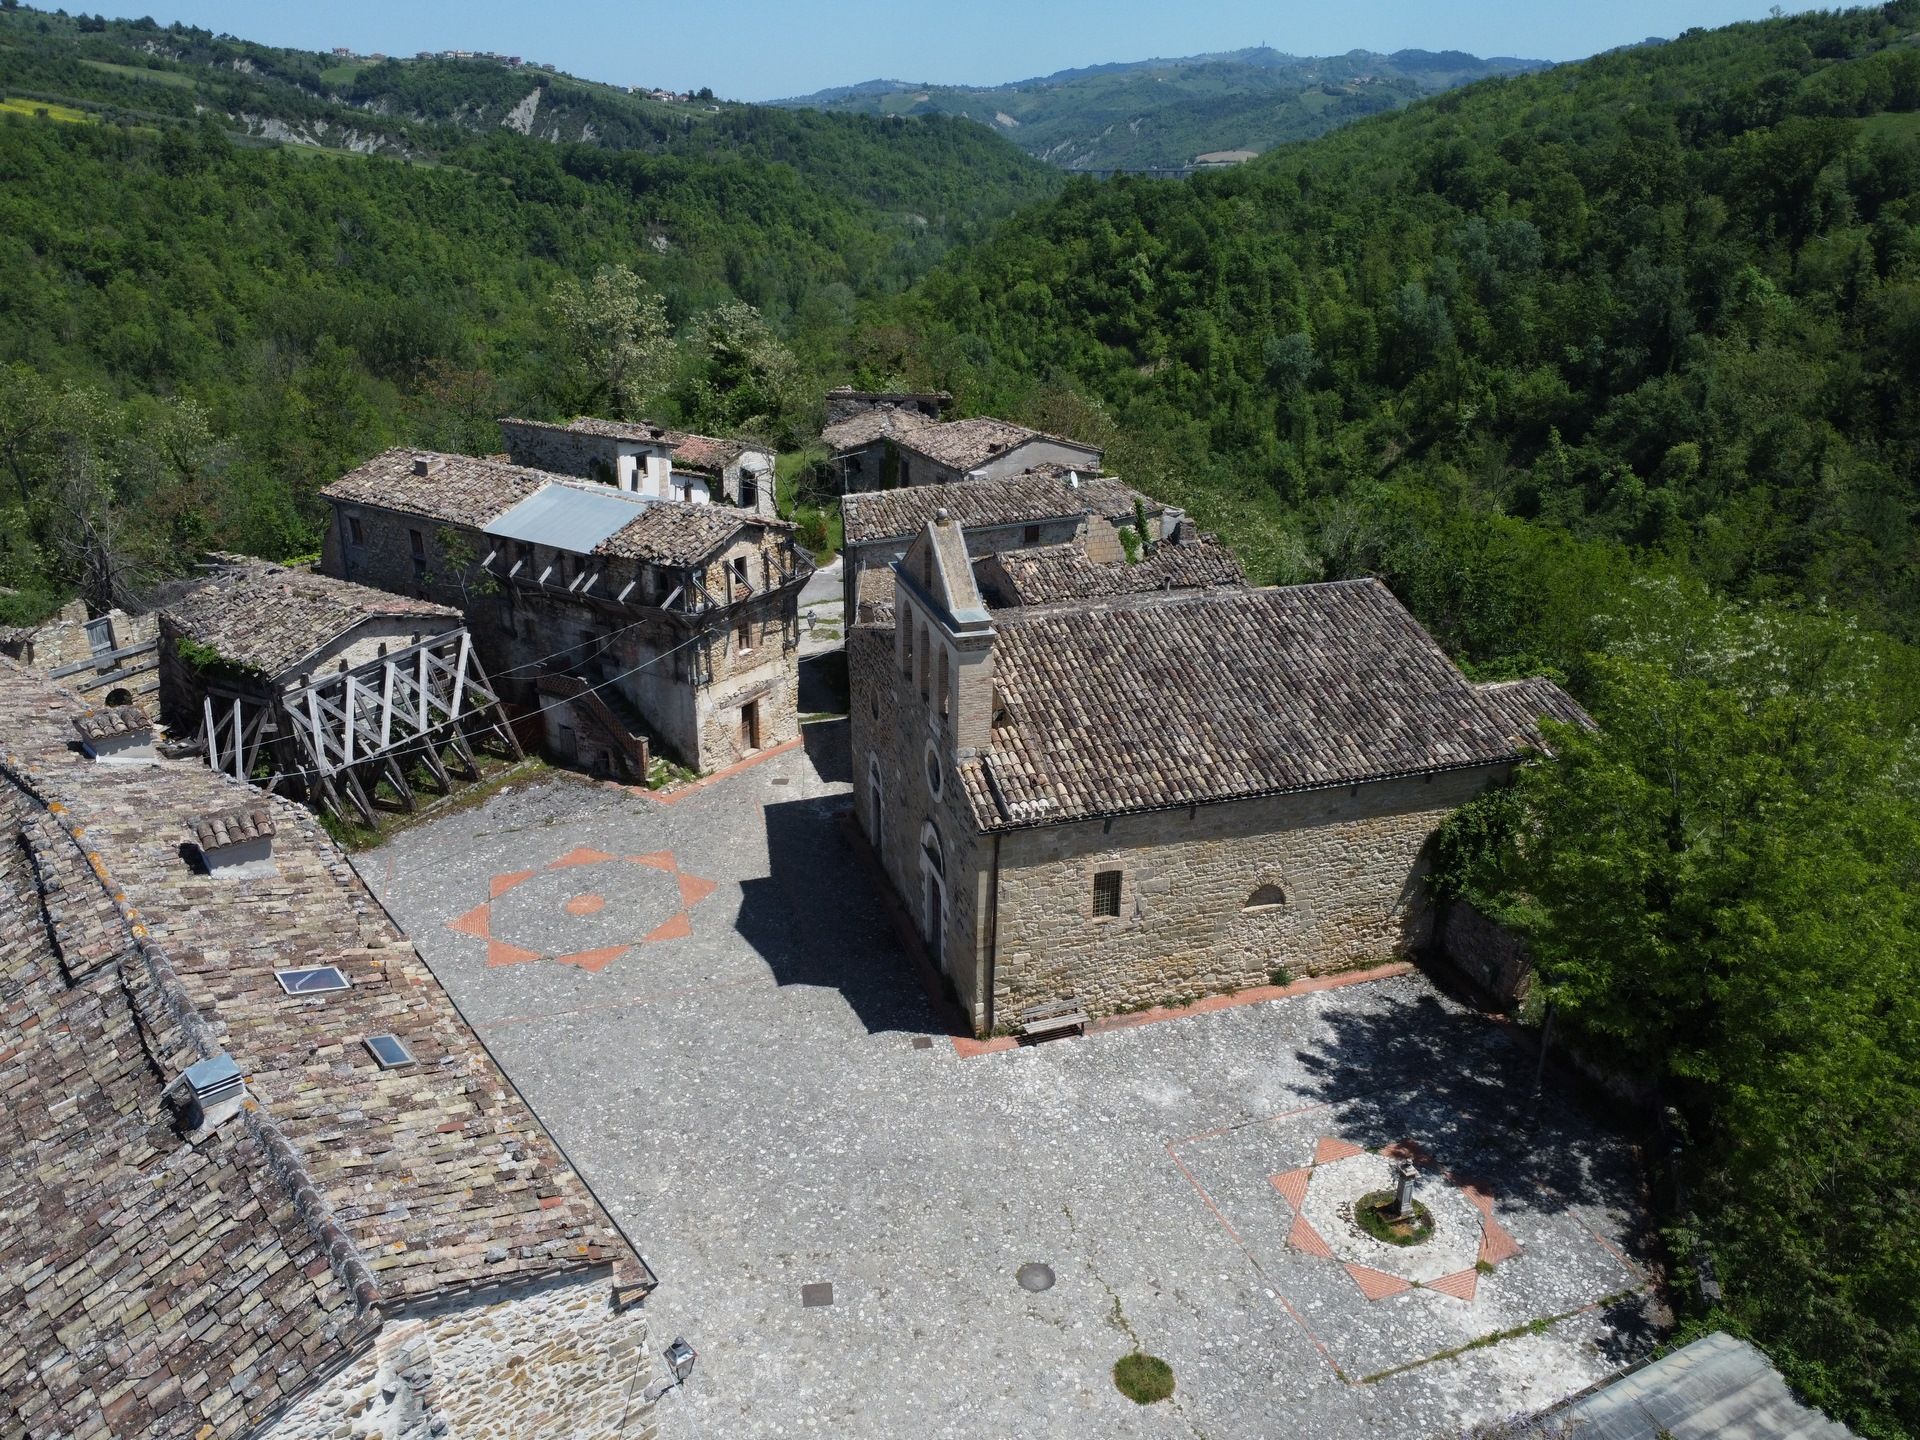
x: 1106, y: 892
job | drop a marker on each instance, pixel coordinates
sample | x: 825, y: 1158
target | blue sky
x: 762, y: 49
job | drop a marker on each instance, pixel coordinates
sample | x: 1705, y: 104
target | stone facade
x: 1150, y: 798
x: 1218, y: 897
x: 1492, y: 958
x: 637, y: 462
x: 72, y: 638
x: 554, y: 1359
x: 682, y: 677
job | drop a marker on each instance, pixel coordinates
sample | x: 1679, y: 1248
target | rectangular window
x: 419, y: 544
x: 1106, y: 892
x: 390, y: 1050
x: 1031, y: 535
x: 739, y: 564
x: 355, y: 533
x: 315, y: 980
x: 743, y: 634
x: 946, y: 681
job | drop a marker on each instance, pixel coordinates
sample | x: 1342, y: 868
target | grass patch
x: 342, y: 74
x: 43, y: 110
x: 1143, y: 1378
x: 495, y: 775
x: 1279, y: 975
x: 138, y: 72
x: 1373, y: 1213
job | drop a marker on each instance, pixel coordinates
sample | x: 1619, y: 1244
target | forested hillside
x: 1614, y: 372
x: 307, y: 306
x: 1160, y: 114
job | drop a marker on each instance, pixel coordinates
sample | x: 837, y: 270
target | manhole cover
x: 1035, y: 1277
x: 923, y: 1042
x: 782, y: 779
x: 818, y: 1293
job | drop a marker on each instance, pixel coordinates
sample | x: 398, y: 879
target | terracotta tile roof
x: 963, y: 444
x: 1523, y: 704
x: 858, y: 431
x: 220, y: 828
x: 705, y: 454
x: 134, y: 1262
x: 269, y: 618
x: 676, y: 532
x: 459, y: 490
x: 1150, y: 702
x: 636, y: 430
x: 107, y: 721
x: 1021, y: 499
x: 1063, y: 572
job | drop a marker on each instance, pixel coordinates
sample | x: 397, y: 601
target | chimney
x: 236, y: 843
x: 210, y: 1092
x: 428, y: 464
x: 117, y: 735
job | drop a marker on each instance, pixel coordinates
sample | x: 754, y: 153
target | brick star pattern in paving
x: 1333, y: 1155
x: 487, y: 920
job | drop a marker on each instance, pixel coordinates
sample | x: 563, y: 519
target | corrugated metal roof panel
x: 567, y: 517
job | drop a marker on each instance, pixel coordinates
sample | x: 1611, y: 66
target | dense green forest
x: 1611, y: 371
x: 306, y: 307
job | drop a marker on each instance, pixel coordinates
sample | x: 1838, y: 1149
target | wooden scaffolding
x: 332, y: 740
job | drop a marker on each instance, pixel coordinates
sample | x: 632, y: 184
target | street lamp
x: 680, y: 1357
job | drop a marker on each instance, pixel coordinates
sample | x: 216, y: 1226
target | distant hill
x: 1166, y: 114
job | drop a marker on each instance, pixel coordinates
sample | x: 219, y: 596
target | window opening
x: 1106, y: 892
x: 313, y: 980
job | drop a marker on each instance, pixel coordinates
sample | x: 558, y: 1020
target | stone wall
x: 892, y: 739
x: 1493, y: 959
x: 688, y: 695
x: 585, y: 456
x: 879, y: 555
x: 1217, y: 897
x: 555, y: 1360
x: 64, y: 641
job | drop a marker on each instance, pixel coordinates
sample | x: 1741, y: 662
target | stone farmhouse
x: 261, y: 1179
x: 647, y: 460
x: 324, y: 689
x: 888, y: 447
x: 1047, y: 507
x: 618, y: 618
x: 1125, y: 797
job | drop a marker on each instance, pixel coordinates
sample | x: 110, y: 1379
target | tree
x: 616, y: 336
x: 740, y: 376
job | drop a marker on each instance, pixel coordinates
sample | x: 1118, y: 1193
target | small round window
x: 934, y: 771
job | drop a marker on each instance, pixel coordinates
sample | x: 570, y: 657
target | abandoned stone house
x: 618, y: 619
x: 648, y: 460
x: 324, y: 689
x: 1129, y: 798
x: 885, y: 448
x: 843, y: 402
x: 260, y: 1177
x: 109, y: 657
x: 1049, y: 506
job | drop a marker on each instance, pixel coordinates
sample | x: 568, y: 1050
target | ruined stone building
x: 617, y: 618
x: 109, y: 657
x: 648, y: 460
x: 886, y: 447
x: 1047, y: 507
x: 260, y: 1178
x: 323, y: 689
x: 843, y: 402
x: 1118, y: 795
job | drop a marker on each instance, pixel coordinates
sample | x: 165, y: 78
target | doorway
x: 750, y: 725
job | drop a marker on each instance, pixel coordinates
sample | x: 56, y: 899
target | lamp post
x: 1530, y: 1121
x: 679, y: 1357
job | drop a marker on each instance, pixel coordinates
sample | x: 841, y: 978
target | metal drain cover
x: 923, y: 1042
x: 1035, y: 1277
x: 818, y: 1293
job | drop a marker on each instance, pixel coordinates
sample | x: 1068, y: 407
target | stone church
x: 1122, y: 795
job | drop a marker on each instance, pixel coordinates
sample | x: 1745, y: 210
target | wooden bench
x: 1053, y: 1018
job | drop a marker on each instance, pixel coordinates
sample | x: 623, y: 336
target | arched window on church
x: 1264, y: 898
